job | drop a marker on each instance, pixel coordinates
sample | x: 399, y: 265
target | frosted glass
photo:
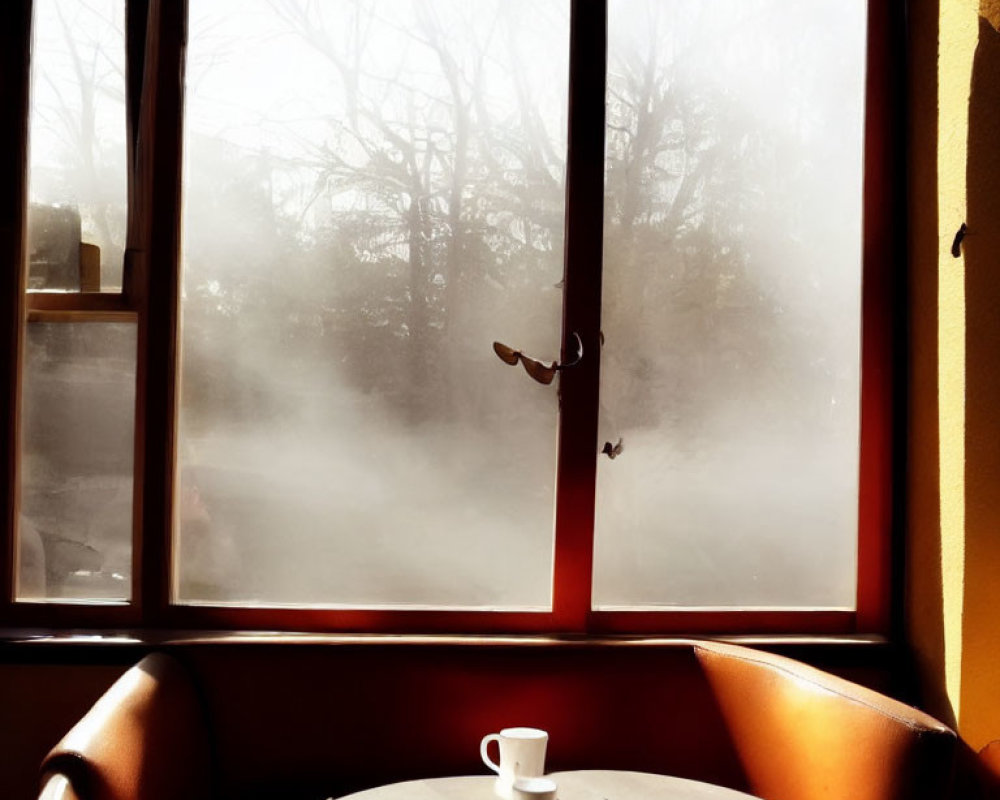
x: 373, y: 195
x: 77, y: 164
x: 731, y: 306
x: 77, y: 421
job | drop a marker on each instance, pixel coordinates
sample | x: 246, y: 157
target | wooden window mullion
x: 579, y: 385
x: 15, y: 48
x: 881, y: 457
x: 154, y: 265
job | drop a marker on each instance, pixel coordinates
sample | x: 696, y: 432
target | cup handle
x: 483, y: 745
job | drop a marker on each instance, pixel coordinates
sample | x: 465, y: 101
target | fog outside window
x: 373, y: 194
x: 730, y: 377
x: 74, y: 529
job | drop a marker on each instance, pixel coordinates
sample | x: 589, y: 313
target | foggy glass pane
x: 373, y: 195
x: 77, y: 421
x: 76, y: 171
x: 731, y: 304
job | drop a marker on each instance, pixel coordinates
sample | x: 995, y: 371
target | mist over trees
x: 427, y: 192
x: 374, y: 192
x: 371, y: 199
x: 78, y: 379
x: 78, y: 125
x: 361, y: 228
x: 728, y: 180
x: 731, y: 305
x: 423, y: 192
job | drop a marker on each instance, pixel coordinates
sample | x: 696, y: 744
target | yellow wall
x: 954, y: 466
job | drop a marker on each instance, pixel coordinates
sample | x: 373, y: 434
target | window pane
x: 732, y: 304
x: 373, y: 194
x: 77, y: 156
x: 76, y: 461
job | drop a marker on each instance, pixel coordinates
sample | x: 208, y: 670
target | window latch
x: 539, y: 370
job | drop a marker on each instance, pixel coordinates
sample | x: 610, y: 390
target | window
x: 731, y: 307
x: 373, y: 193
x: 78, y: 354
x: 287, y: 409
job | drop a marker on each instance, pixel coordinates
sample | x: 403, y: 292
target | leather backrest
x: 802, y: 734
x: 144, y: 738
x: 313, y: 721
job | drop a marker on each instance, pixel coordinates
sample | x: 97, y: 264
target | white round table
x: 587, y: 784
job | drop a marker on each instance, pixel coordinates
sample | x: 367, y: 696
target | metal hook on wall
x: 956, y: 244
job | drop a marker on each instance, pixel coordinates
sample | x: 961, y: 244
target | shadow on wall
x: 980, y: 702
x: 925, y: 606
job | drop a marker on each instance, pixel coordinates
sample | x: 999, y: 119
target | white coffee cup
x: 522, y: 755
x: 533, y: 789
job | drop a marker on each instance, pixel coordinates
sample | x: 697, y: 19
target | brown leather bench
x: 297, y: 722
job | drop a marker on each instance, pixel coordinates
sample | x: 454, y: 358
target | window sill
x: 51, y: 638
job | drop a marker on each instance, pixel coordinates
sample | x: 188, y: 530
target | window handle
x: 539, y: 370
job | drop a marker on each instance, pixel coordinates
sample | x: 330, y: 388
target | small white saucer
x: 534, y: 789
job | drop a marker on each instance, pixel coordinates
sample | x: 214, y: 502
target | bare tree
x: 91, y: 82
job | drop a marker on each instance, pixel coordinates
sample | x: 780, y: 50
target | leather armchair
x: 772, y: 726
x: 803, y: 734
x: 145, y: 739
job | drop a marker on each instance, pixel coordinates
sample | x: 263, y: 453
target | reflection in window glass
x: 373, y: 194
x: 75, y: 529
x: 731, y: 310
x: 77, y: 174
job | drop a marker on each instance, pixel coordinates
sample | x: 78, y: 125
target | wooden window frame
x: 156, y: 34
x: 43, y: 307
